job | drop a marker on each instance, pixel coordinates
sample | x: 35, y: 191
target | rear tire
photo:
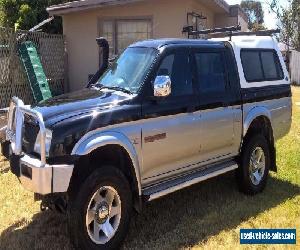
x: 253, y: 171
x: 99, y: 215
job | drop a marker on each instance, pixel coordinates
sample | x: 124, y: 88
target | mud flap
x: 5, y: 149
x: 273, y: 166
x: 15, y: 164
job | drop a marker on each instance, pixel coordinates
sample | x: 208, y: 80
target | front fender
x: 92, y: 141
x: 253, y: 114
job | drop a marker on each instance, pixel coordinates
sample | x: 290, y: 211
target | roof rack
x: 257, y: 33
x: 191, y: 32
x: 228, y: 32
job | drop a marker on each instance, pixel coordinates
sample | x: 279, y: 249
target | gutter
x: 76, y: 6
x: 223, y: 4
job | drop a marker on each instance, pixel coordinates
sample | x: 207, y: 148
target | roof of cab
x: 159, y: 43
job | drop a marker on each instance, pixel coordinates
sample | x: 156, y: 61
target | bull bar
x: 35, y: 174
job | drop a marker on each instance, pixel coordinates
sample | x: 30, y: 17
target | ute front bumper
x: 43, y: 180
x: 34, y: 173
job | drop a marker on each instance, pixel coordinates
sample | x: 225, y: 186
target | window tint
x: 210, y: 72
x: 166, y: 66
x: 271, y: 65
x: 251, y: 64
x: 177, y: 67
x: 261, y: 65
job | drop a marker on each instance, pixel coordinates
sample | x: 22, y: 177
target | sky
x: 270, y: 18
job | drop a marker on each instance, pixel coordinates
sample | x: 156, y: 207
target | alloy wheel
x: 257, y: 165
x: 103, y: 215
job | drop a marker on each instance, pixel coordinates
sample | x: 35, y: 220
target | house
x: 123, y: 22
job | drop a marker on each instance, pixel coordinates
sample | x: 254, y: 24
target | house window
x: 121, y: 33
x: 108, y: 33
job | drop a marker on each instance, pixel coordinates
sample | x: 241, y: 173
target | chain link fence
x: 13, y: 80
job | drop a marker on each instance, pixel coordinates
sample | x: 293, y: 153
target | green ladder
x: 34, y: 71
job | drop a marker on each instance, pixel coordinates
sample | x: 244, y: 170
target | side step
x: 162, y: 189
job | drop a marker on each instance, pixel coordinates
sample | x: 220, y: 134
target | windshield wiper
x: 117, y: 89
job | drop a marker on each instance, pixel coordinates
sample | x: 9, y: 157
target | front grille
x: 30, y: 132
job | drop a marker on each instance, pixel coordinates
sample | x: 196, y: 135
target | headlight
x: 37, y: 145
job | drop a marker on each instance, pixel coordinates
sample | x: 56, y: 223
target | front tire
x: 254, y: 167
x: 99, y: 216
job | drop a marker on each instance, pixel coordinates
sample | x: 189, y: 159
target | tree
x: 25, y: 14
x: 255, y: 14
x: 289, y: 21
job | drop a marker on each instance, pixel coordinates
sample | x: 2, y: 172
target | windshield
x: 129, y: 70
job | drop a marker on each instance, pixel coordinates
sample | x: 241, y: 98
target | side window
x: 271, y: 65
x: 210, y: 72
x: 177, y: 67
x: 166, y: 66
x: 252, y: 66
x: 261, y: 65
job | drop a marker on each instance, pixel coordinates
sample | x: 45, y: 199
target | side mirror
x: 162, y: 86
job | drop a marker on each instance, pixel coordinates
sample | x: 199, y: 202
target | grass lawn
x: 208, y: 215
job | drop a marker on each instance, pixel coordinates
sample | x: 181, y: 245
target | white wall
x: 294, y: 67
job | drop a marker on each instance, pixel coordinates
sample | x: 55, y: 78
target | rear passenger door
x: 217, y: 114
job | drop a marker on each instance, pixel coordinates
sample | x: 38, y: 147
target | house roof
x: 74, y: 6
